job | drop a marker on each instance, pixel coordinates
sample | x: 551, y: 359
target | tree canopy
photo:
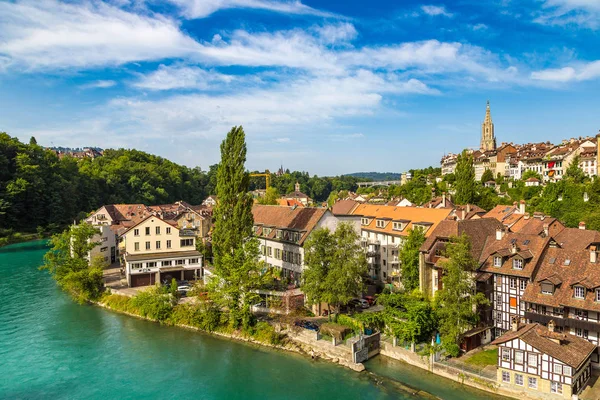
x: 456, y: 303
x: 409, y: 259
x: 465, y: 179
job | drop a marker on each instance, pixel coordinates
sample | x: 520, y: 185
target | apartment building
x: 282, y: 232
x: 157, y: 250
x: 542, y: 362
x: 431, y: 253
x: 558, y: 159
x: 384, y: 229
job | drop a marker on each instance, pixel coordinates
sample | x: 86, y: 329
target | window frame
x: 519, y: 377
x: 497, y: 261
x: 581, y: 289
x: 505, y: 376
x: 519, y: 355
x: 517, y: 263
x: 529, y: 357
x: 505, y: 356
x: 532, y: 382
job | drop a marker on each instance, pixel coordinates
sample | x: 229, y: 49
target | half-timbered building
x: 508, y: 263
x: 540, y: 361
x: 566, y: 288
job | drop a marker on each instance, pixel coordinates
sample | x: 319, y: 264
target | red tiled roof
x: 570, y: 349
x: 302, y: 219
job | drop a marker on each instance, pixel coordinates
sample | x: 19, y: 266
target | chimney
x: 499, y: 234
x: 514, y: 323
x: 593, y: 254
x: 526, y: 216
x: 546, y: 230
x: 464, y: 214
x: 443, y: 199
x: 522, y: 207
x: 582, y: 225
x: 468, y: 208
x: 513, y: 248
x: 551, y: 325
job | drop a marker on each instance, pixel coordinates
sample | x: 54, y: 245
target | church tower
x: 488, y: 139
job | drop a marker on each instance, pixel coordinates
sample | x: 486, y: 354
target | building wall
x: 544, y: 370
x: 130, y: 238
x: 107, y: 248
x: 507, y: 300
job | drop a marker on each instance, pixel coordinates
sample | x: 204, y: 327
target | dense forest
x: 41, y: 192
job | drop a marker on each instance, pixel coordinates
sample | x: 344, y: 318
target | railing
x: 186, y: 233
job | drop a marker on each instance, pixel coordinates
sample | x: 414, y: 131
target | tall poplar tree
x: 409, y: 259
x: 465, y: 179
x: 235, y: 250
x: 457, y: 301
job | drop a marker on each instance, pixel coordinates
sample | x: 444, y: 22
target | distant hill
x: 376, y: 176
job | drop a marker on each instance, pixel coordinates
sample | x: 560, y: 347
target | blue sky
x: 327, y: 87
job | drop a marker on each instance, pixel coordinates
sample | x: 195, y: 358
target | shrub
x: 118, y: 302
x: 153, y: 304
x: 265, y: 333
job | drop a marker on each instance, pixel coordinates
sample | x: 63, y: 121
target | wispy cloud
x: 48, y: 34
x: 204, y: 8
x: 581, y: 72
x: 102, y: 84
x: 182, y: 77
x: 584, y: 13
x: 435, y: 11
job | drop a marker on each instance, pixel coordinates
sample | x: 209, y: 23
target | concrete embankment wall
x: 463, y: 377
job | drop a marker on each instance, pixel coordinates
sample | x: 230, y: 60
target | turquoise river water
x: 52, y: 348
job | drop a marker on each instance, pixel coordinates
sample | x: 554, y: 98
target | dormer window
x: 547, y: 288
x: 579, y: 292
x: 497, y: 261
x: 364, y: 221
x: 398, y: 226
x: 518, y: 263
x: 380, y: 223
x: 597, y: 294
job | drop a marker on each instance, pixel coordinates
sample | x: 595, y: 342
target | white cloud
x: 182, y: 77
x: 480, y: 27
x: 47, y: 34
x: 204, y: 8
x: 584, y: 13
x: 282, y: 140
x: 103, y: 84
x: 436, y: 10
x: 582, y: 72
x: 300, y: 103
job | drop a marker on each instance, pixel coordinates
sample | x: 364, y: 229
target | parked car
x: 370, y: 299
x: 363, y: 303
x: 183, y: 290
x: 354, y: 303
x: 262, y: 304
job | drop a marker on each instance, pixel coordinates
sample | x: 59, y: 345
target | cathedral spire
x: 488, y: 139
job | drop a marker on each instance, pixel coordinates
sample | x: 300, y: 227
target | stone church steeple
x: 488, y: 139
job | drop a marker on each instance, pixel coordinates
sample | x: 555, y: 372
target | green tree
x: 270, y: 197
x: 465, y: 179
x: 335, y: 266
x: 317, y: 262
x: 409, y: 259
x: 457, y: 301
x: 408, y: 316
x: 530, y: 174
x: 67, y: 261
x: 574, y: 172
x: 235, y: 251
x: 488, y: 175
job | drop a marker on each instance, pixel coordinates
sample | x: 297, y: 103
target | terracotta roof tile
x: 303, y: 219
x: 413, y: 214
x: 570, y: 349
x: 529, y: 247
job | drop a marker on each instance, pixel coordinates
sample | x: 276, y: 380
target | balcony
x: 374, y: 242
x: 186, y: 233
x: 394, y: 260
x: 371, y: 254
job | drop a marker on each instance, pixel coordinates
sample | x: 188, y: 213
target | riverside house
x: 157, y: 250
x: 542, y: 362
x: 282, y: 232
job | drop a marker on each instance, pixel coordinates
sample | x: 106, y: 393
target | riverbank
x: 300, y: 341
x: 290, y: 339
x: 20, y: 237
